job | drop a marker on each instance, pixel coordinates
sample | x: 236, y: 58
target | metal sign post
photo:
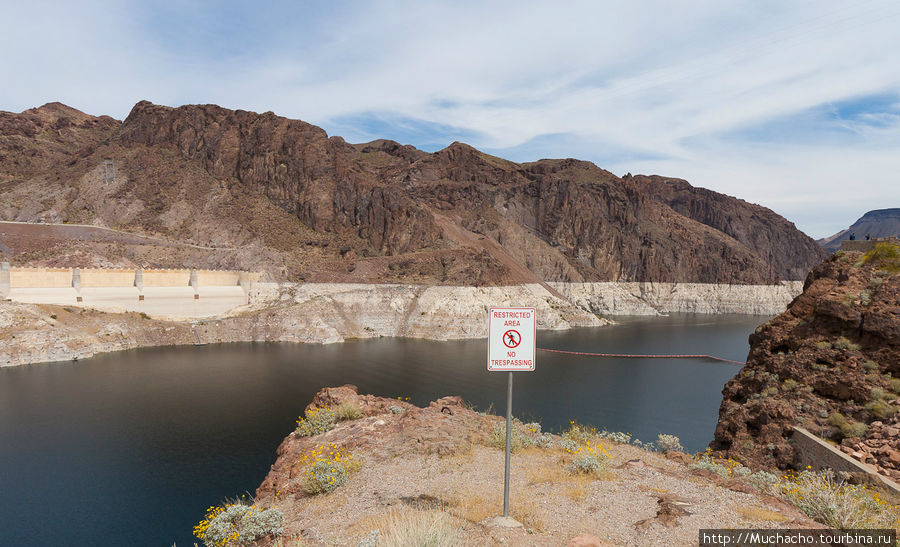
x: 511, y: 343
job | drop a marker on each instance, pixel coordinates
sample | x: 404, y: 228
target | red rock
x: 587, y: 540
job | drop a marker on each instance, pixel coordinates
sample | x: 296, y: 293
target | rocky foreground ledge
x: 441, y: 464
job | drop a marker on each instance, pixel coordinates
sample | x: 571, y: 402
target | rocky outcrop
x: 826, y: 364
x: 444, y: 457
x: 301, y: 204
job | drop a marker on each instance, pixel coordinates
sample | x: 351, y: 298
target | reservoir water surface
x: 130, y: 448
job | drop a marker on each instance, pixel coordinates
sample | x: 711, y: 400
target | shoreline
x: 331, y: 312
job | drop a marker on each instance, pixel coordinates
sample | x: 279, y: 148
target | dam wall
x: 106, y: 277
x: 165, y: 293
x: 40, y: 277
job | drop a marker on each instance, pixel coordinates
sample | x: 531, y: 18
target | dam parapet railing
x: 177, y: 293
x: 866, y: 245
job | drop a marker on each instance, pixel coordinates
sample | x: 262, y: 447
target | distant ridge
x: 299, y: 204
x: 877, y: 223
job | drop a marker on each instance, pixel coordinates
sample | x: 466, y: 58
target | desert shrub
x: 616, y: 436
x: 837, y: 419
x: 877, y: 394
x: 669, y: 443
x: 706, y: 463
x: 865, y: 298
x: 844, y: 343
x: 790, y: 384
x: 894, y: 384
x: 837, y: 504
x: 348, y: 411
x: 881, y: 409
x: 853, y: 428
x: 315, y: 422
x: 396, y: 409
x: 327, y: 468
x: 870, y: 365
x: 324, y: 476
x: 412, y: 527
x: 236, y: 523
x: 590, y: 458
x: 522, y: 436
x: 823, y: 345
x: 764, y: 481
x: 888, y: 254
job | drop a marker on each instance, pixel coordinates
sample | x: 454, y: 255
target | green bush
x: 790, y: 384
x: 888, y: 254
x: 823, y: 345
x: 894, y: 385
x: 844, y: 343
x: 837, y: 419
x: 881, y: 409
x: 877, y: 394
x: 315, y: 422
x: 853, y: 428
x: 870, y: 365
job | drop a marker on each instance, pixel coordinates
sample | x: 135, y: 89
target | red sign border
x: 534, y: 335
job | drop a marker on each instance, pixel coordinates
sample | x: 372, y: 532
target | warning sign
x: 511, y: 338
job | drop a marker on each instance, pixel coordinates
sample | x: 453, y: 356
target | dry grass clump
x: 348, y: 410
x: 414, y: 528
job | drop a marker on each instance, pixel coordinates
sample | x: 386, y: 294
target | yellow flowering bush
x: 326, y: 468
x: 315, y: 421
x: 237, y: 524
x: 836, y: 503
x: 590, y: 457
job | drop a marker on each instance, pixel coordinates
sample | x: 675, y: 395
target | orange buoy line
x: 629, y: 355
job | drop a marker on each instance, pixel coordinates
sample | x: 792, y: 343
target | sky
x: 794, y: 105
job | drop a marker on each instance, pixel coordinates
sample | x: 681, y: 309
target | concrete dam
x: 164, y: 293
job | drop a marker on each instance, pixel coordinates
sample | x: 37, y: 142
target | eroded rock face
x: 826, y: 364
x: 309, y: 206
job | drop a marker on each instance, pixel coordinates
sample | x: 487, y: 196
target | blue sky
x: 792, y: 105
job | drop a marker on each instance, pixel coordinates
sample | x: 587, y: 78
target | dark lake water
x: 130, y: 448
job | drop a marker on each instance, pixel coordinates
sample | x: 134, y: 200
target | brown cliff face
x: 762, y: 231
x: 302, y: 204
x: 826, y: 364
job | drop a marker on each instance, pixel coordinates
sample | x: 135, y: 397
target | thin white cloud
x: 660, y: 80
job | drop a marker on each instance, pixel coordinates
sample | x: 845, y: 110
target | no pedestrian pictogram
x: 512, y: 338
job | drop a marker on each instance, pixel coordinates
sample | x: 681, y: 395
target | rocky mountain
x: 281, y: 196
x: 877, y: 223
x: 827, y: 364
